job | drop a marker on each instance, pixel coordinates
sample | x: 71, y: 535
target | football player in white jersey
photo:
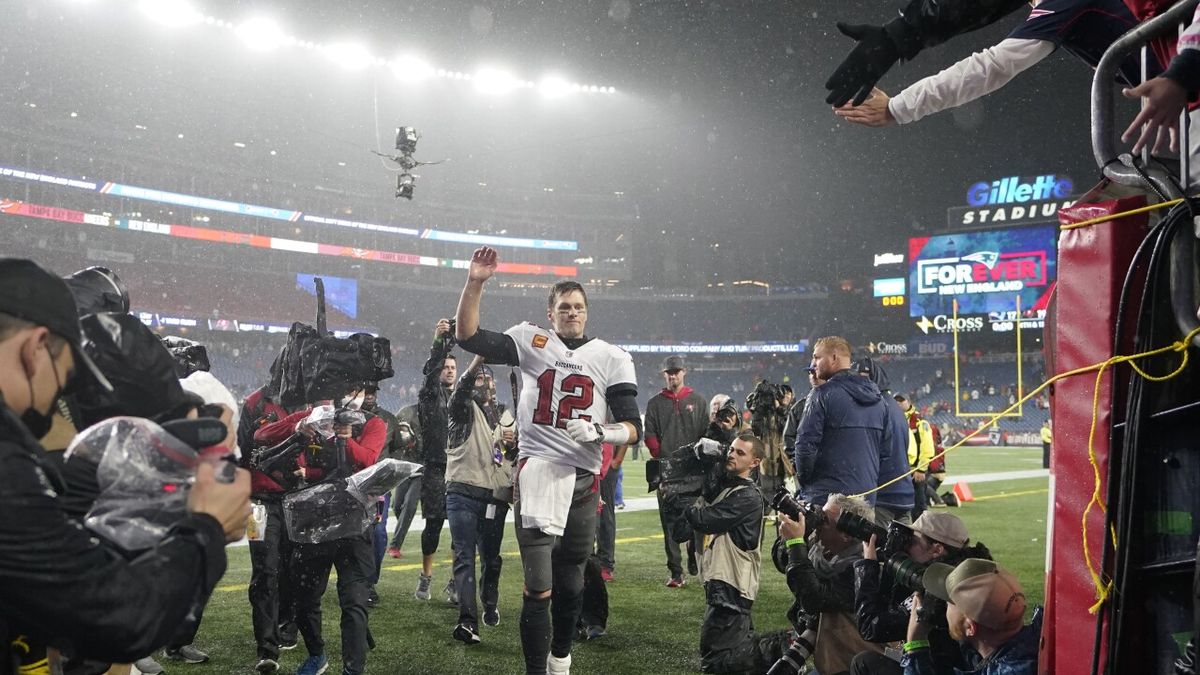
x: 572, y: 386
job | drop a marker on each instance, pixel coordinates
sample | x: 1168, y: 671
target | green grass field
x: 652, y: 629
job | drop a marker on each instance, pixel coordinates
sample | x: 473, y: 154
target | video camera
x: 765, y: 398
x: 689, y: 472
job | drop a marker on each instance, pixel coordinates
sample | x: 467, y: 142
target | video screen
x: 985, y: 271
x: 340, y: 293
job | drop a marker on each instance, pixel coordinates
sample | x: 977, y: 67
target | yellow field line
x: 234, y: 588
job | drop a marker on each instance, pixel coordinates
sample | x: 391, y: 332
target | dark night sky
x: 719, y: 133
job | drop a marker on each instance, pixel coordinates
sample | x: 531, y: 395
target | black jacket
x: 740, y: 514
x: 62, y: 586
x: 432, y: 403
x: 814, y: 593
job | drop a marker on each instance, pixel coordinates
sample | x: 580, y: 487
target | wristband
x: 913, y: 645
x: 794, y: 541
x: 614, y: 433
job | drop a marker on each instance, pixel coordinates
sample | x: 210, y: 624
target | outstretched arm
x: 483, y: 267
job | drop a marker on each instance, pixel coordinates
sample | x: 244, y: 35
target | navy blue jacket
x: 848, y: 439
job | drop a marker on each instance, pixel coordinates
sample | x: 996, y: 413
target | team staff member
x: 920, y: 451
x: 573, y: 384
x: 353, y: 557
x: 675, y: 417
x: 440, y: 371
x: 59, y: 584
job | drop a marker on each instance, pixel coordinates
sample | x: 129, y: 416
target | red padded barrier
x: 1092, y: 263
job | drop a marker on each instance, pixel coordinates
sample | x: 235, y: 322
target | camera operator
x: 768, y: 405
x: 734, y: 518
x: 272, y: 605
x: 476, y: 468
x: 60, y: 584
x: 674, y: 418
x: 985, y: 612
x: 440, y: 371
x: 821, y: 577
x: 351, y: 450
x: 882, y: 602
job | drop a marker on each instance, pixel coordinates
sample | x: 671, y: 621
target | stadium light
x: 172, y: 13
x: 553, y: 86
x: 350, y: 55
x: 410, y: 68
x: 261, y: 34
x: 495, y: 81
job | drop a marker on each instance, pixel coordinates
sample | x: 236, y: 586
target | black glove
x: 873, y: 56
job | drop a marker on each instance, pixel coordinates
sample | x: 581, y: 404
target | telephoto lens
x: 793, y: 660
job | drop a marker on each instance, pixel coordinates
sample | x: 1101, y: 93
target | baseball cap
x: 673, y: 363
x: 982, y: 590
x: 941, y: 527
x: 30, y: 293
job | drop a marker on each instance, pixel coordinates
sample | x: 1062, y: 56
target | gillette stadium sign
x: 1013, y: 201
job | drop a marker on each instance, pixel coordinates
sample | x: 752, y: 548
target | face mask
x: 39, y: 424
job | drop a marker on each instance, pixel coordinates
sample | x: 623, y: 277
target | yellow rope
x: 1116, y: 216
x: 1103, y: 587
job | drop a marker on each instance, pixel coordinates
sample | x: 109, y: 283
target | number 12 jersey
x: 558, y: 384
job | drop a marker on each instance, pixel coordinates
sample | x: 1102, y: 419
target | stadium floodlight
x: 553, y: 86
x: 410, y: 68
x: 173, y: 13
x: 261, y: 34
x: 495, y: 81
x: 349, y: 55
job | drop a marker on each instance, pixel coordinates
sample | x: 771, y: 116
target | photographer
x: 734, y: 518
x: 353, y: 448
x: 821, y: 577
x: 674, y: 418
x: 882, y: 600
x: 768, y: 405
x: 440, y: 371
x: 985, y: 611
x: 476, y: 468
x: 60, y: 584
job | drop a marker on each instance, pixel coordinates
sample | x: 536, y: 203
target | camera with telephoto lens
x: 802, y: 645
x: 810, y: 514
x: 891, y: 544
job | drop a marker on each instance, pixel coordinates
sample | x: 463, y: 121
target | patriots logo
x: 986, y: 258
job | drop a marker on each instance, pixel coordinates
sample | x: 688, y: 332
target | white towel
x: 546, y: 490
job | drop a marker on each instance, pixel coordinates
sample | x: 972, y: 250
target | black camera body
x: 765, y: 398
x: 682, y: 477
x: 783, y: 502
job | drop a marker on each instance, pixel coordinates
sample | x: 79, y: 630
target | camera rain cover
x: 338, y: 509
x: 144, y: 475
x: 134, y: 360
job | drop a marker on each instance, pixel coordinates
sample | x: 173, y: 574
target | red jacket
x: 361, y: 452
x: 259, y: 481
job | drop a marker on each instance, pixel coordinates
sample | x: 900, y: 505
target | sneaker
x: 289, y: 636
x: 450, y: 592
x: 267, y: 666
x: 466, y: 634
x: 676, y: 581
x: 372, y: 598
x: 313, y: 665
x: 423, y: 584
x: 395, y: 552
x: 621, y: 506
x: 606, y: 574
x: 596, y: 632
x: 558, y: 666
x: 186, y: 653
x: 148, y: 666
x: 491, y: 616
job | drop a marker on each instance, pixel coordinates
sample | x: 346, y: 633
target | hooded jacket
x: 674, y: 419
x: 851, y: 439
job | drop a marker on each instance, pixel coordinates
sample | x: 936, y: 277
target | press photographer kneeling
x: 734, y: 518
x: 887, y: 577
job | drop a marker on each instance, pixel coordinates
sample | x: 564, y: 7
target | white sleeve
x: 975, y: 76
x: 622, y: 368
x: 1190, y: 38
